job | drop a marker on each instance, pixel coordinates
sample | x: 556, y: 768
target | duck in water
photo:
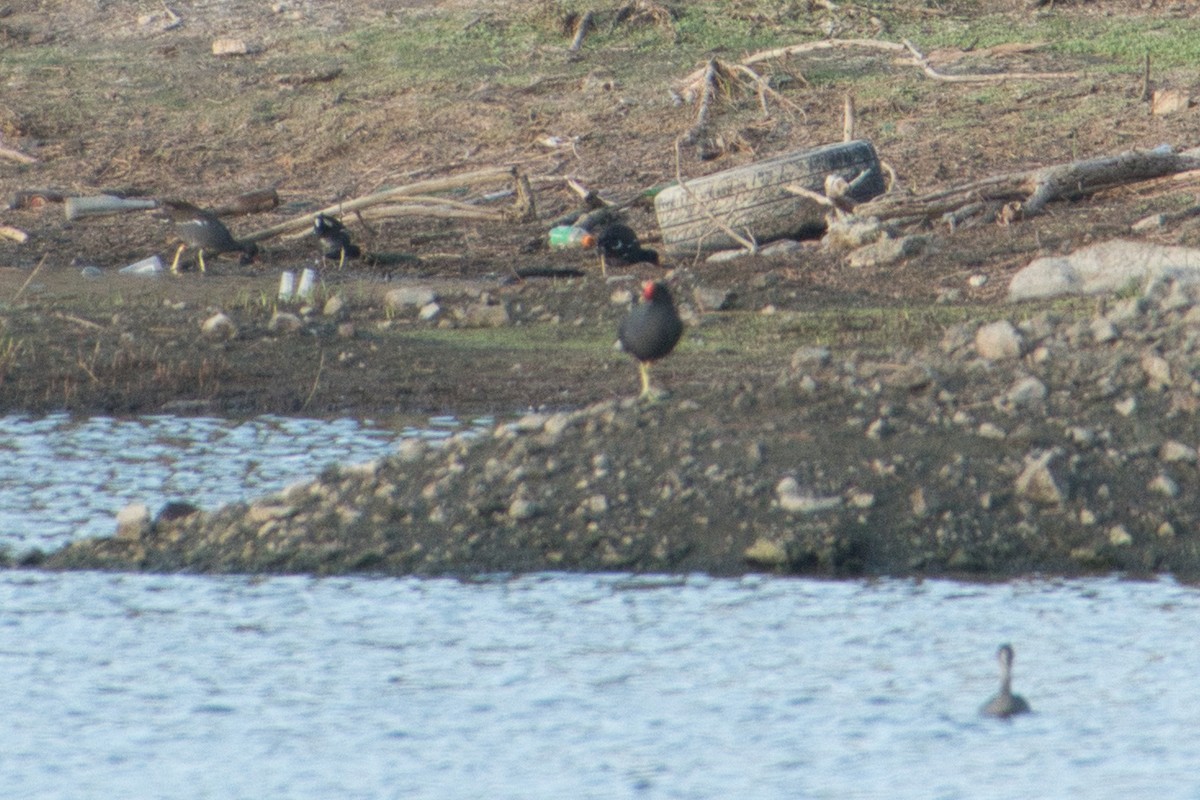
x: 1005, y: 704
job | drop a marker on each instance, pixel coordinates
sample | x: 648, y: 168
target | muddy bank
x: 1047, y: 443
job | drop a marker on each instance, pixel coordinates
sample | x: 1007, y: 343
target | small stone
x: 1103, y: 331
x: 1026, y: 393
x: 990, y: 431
x: 597, y: 505
x: 1087, y: 517
x: 860, y: 499
x: 792, y: 500
x: 1164, y: 485
x: 1118, y: 536
x: 1169, y: 101
x: 219, y: 326
x: 409, y: 297
x: 429, y: 312
x: 977, y: 281
x: 334, y: 306
x: 766, y: 553
x: 485, y: 316
x: 1157, y: 369
x: 1165, y: 531
x: 521, y: 509
x: 1037, y: 483
x: 133, y: 522
x: 998, y: 340
x: 1173, y: 451
x: 713, y: 299
x: 1126, y: 407
x: 814, y: 356
x: 232, y: 46
x: 879, y: 428
x: 284, y: 322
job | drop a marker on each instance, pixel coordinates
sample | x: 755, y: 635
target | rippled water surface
x: 63, y: 477
x: 591, y: 687
x: 545, y: 686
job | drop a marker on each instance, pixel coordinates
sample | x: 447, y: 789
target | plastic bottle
x: 564, y: 236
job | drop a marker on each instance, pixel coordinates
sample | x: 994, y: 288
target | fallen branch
x: 402, y: 194
x: 1032, y: 189
x: 692, y: 86
x: 16, y: 155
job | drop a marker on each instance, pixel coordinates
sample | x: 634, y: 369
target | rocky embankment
x: 1043, y: 443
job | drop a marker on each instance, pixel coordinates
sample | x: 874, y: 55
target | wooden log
x: 399, y: 193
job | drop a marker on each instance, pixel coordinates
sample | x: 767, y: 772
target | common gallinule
x: 1005, y: 703
x: 335, y: 239
x: 651, y: 330
x: 201, y: 229
x: 618, y: 242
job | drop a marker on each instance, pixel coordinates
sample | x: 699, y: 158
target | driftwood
x: 409, y: 200
x: 695, y: 86
x: 1026, y: 193
x: 16, y: 155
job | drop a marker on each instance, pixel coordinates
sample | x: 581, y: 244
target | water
x: 544, y: 686
x: 557, y: 686
x: 63, y: 477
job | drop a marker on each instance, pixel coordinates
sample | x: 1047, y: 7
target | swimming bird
x: 1005, y: 704
x: 335, y: 239
x: 201, y: 229
x: 651, y: 330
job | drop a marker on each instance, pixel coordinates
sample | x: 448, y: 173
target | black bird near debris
x: 618, y: 242
x: 651, y: 330
x: 201, y: 229
x: 335, y: 239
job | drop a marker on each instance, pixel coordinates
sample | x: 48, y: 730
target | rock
x: 1118, y: 536
x: 1157, y: 369
x: 334, y: 306
x: 1036, y: 482
x: 1103, y: 331
x: 888, y: 251
x: 1169, y: 101
x: 429, y: 312
x: 852, y: 233
x: 1164, y: 485
x: 792, y: 500
x: 766, y: 553
x: 1173, y: 451
x: 133, y: 522
x: 1104, y: 268
x: 285, y: 322
x: 713, y: 299
x: 409, y: 297
x: 1126, y: 407
x: 522, y: 509
x: 813, y: 356
x: 998, y: 340
x: 218, y: 327
x: 1028, y: 392
x: 485, y: 316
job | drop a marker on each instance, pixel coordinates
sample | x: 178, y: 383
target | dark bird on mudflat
x: 617, y: 242
x: 201, y: 230
x: 335, y: 239
x: 1005, y: 704
x: 651, y: 330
